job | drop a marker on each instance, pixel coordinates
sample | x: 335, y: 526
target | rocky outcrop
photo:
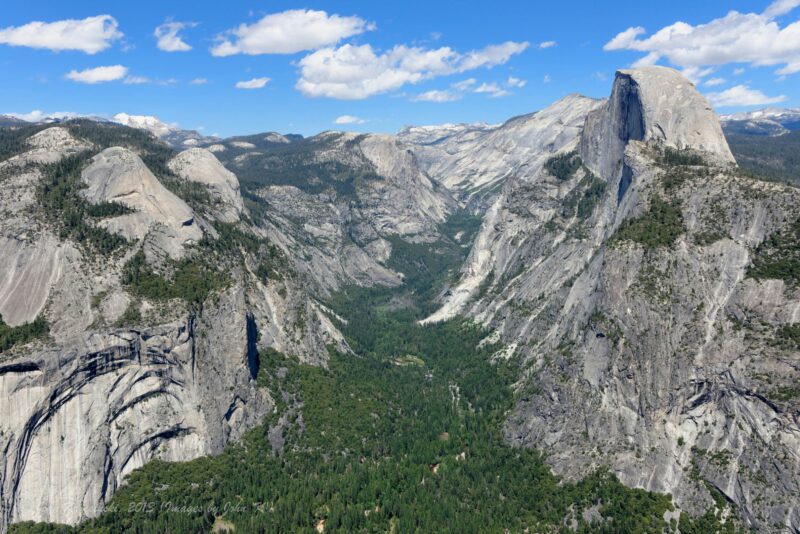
x: 118, y: 175
x: 52, y: 144
x: 653, y: 105
x: 201, y: 166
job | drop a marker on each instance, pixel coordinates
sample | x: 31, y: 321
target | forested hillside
x: 774, y: 158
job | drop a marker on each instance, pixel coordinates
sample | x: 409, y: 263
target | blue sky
x: 380, y: 65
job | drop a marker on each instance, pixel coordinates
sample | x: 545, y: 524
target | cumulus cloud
x: 546, y: 79
x: 349, y: 119
x: 255, y: 83
x: 198, y: 81
x: 352, y: 72
x: 547, y: 44
x: 436, y: 96
x: 90, y: 35
x: 515, y: 82
x: 168, y: 38
x: 756, y: 39
x: 98, y: 74
x: 289, y: 32
x: 741, y: 95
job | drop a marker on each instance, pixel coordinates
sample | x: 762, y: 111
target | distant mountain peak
x: 145, y: 122
x: 770, y: 121
x: 169, y: 133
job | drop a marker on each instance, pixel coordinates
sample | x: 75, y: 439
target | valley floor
x: 404, y: 435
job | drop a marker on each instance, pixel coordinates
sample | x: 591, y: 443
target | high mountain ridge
x: 612, y: 246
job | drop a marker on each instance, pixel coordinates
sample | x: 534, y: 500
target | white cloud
x: 464, y: 85
x: 90, y: 35
x: 98, y: 74
x: 546, y: 79
x: 515, y: 82
x: 354, y: 72
x: 492, y: 89
x: 168, y: 38
x: 741, y: 95
x: 739, y: 71
x: 547, y: 44
x: 696, y: 74
x: 436, y: 96
x: 753, y: 38
x: 136, y: 80
x: 349, y: 119
x: 713, y: 82
x: 255, y: 83
x: 141, y: 80
x: 289, y: 32
x: 199, y: 81
x: 781, y: 7
x: 37, y: 114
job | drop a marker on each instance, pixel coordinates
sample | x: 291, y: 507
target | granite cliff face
x: 626, y: 284
x: 339, y: 199
x: 124, y: 377
x: 476, y: 161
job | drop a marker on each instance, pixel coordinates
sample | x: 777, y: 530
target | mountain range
x: 643, y: 288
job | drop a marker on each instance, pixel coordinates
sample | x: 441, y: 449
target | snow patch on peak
x: 145, y: 122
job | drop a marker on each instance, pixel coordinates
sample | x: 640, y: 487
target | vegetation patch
x: 674, y: 157
x: 582, y: 200
x: 778, y: 257
x: 13, y: 335
x: 563, y: 166
x: 131, y: 315
x: 789, y: 336
x: 107, y: 209
x: 660, y: 226
x: 192, y: 279
x: 14, y: 139
x: 232, y: 241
